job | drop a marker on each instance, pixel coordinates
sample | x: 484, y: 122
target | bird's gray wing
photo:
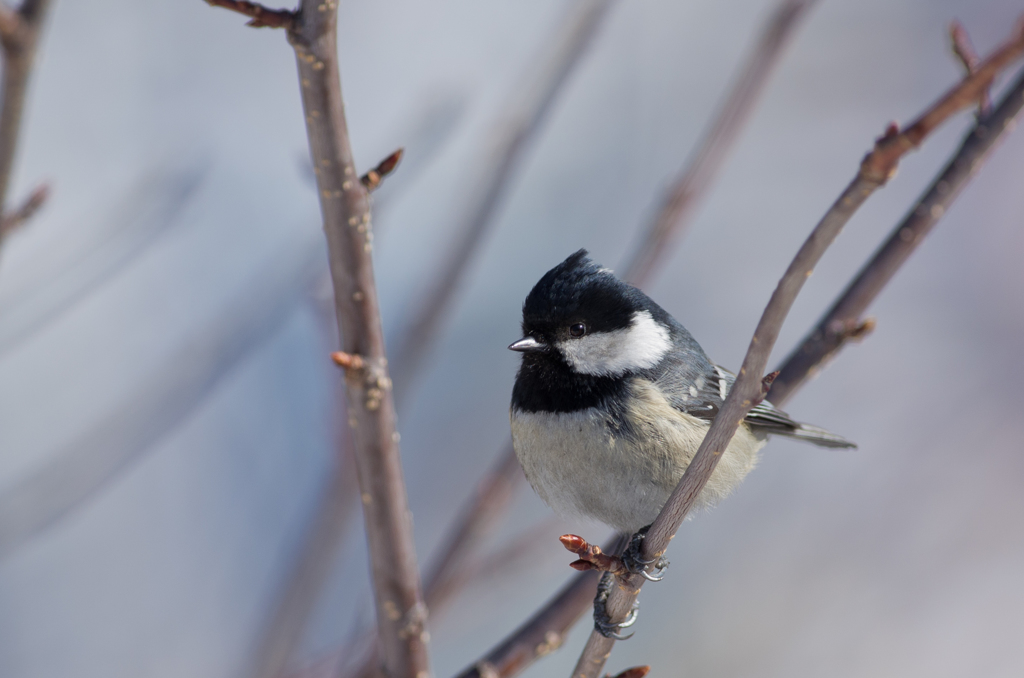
x: 702, y: 396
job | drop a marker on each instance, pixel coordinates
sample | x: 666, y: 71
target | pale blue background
x: 902, y: 558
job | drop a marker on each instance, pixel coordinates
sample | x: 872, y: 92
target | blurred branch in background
x: 161, y: 401
x: 345, y: 206
x: 875, y: 170
x: 19, y: 36
x: 678, y: 207
x: 313, y: 565
x: 14, y: 220
x: 508, y: 140
x: 150, y: 207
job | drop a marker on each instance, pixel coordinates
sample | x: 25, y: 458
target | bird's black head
x: 581, y: 317
x: 578, y: 292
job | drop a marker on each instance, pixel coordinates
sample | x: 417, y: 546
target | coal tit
x: 613, y: 398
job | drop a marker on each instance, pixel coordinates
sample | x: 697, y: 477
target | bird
x: 613, y: 397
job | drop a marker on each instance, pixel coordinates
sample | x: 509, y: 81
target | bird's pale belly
x: 578, y: 465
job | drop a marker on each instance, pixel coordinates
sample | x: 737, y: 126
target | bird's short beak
x: 528, y: 345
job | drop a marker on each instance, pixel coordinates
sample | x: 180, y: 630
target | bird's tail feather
x: 818, y: 436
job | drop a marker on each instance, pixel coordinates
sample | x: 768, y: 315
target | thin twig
x: 831, y: 333
x: 13, y: 220
x: 876, y: 168
x: 506, y: 146
x: 260, y: 16
x: 964, y: 50
x: 680, y: 202
x: 19, y: 36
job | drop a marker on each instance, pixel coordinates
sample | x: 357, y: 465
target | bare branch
x: 964, y: 51
x: 14, y: 220
x: 680, y: 202
x: 19, y: 35
x: 509, y: 141
x: 880, y: 164
x: 833, y: 331
x: 875, y: 170
x: 344, y: 204
x: 260, y: 16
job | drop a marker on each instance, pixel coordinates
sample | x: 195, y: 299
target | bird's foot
x: 634, y: 562
x: 602, y: 621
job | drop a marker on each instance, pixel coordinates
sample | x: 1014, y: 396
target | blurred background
x: 166, y: 395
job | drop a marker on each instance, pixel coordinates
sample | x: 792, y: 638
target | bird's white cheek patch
x: 640, y: 346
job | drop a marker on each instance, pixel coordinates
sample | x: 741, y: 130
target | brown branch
x: 344, y: 204
x: 260, y: 16
x: 507, y: 144
x: 880, y: 164
x: 17, y: 218
x: 679, y: 204
x: 875, y: 170
x: 965, y: 52
x: 19, y: 36
x: 832, y: 331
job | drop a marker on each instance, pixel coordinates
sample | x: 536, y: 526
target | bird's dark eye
x: 578, y: 330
